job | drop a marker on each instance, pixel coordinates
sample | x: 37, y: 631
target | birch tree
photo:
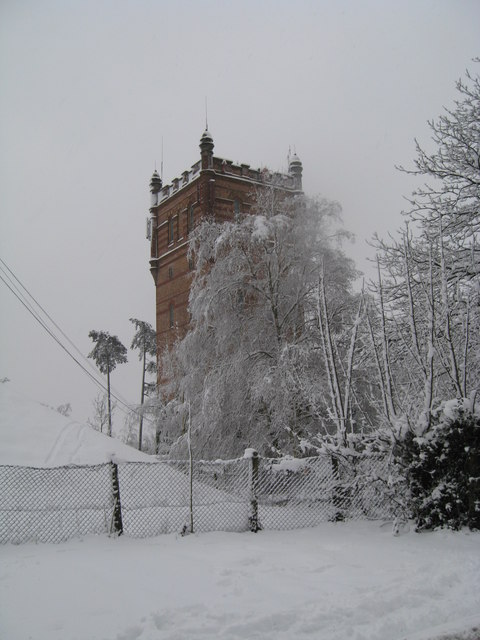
x: 451, y: 196
x: 251, y: 366
x: 427, y: 291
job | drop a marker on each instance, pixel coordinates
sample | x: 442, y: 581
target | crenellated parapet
x: 291, y: 181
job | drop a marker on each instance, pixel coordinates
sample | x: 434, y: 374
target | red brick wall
x: 211, y: 191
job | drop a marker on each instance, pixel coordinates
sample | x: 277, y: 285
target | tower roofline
x: 227, y: 168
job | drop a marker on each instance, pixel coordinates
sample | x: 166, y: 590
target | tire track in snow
x: 66, y: 444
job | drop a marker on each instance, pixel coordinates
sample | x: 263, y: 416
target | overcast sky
x: 88, y: 89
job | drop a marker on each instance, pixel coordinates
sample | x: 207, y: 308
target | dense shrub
x: 442, y: 469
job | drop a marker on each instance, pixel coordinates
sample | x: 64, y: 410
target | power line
x: 86, y: 360
x: 25, y: 302
x: 18, y: 294
x: 46, y: 328
x: 35, y: 314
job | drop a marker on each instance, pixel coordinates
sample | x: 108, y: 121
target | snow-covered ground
x: 338, y: 581
x: 32, y: 434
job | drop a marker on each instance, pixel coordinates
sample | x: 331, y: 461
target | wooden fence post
x: 252, y: 456
x: 116, y: 526
x: 337, y: 498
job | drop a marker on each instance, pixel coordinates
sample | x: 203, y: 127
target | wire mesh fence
x: 51, y: 505
x: 155, y: 498
x: 147, y: 499
x: 304, y: 492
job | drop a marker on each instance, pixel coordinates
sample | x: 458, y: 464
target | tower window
x: 190, y: 218
x: 170, y: 272
x: 170, y: 230
x: 236, y: 210
x: 171, y: 315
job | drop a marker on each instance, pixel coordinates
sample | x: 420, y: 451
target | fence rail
x: 147, y: 499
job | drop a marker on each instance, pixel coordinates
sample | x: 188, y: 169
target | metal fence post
x: 116, y: 526
x: 252, y: 456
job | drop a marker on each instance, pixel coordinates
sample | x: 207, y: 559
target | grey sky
x: 89, y: 88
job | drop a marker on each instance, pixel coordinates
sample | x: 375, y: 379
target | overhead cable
x: 10, y: 283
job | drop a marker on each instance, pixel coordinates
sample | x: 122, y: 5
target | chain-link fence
x: 304, y: 492
x: 156, y: 498
x: 51, y: 505
x: 147, y: 499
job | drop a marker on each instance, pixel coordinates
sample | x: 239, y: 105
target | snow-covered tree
x: 144, y: 341
x: 107, y: 353
x: 427, y: 336
x: 450, y: 201
x: 99, y: 420
x: 255, y: 364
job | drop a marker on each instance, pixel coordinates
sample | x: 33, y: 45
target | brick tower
x: 211, y: 187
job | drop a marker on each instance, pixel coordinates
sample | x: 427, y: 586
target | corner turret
x: 206, y: 150
x: 295, y: 169
x: 155, y: 187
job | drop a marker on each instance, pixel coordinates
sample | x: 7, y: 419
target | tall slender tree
x: 144, y: 341
x: 107, y: 353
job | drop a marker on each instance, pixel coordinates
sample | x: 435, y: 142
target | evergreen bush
x: 442, y: 469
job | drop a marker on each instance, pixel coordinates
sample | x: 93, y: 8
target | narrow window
x: 191, y: 265
x: 170, y: 273
x: 171, y: 313
x: 190, y: 218
x: 236, y: 210
x: 170, y: 230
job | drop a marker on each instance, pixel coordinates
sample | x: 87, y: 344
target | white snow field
x: 337, y: 581
x: 34, y: 435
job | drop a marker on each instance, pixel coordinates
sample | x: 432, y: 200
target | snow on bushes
x: 442, y: 468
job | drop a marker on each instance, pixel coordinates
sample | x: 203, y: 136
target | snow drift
x: 34, y: 435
